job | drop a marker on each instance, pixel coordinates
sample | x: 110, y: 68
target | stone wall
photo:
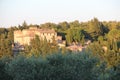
x: 24, y: 37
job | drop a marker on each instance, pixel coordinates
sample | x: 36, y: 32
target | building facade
x: 25, y: 36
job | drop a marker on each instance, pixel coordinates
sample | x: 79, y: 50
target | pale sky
x: 14, y: 12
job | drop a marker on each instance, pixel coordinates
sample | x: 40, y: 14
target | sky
x: 15, y: 12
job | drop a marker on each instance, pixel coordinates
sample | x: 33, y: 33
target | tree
x: 10, y: 35
x: 35, y: 46
x: 114, y: 34
x: 114, y: 39
x: 5, y: 47
x: 48, y: 25
x: 75, y: 35
x: 41, y: 47
x: 100, y: 39
x: 96, y: 28
x: 74, y: 24
x: 25, y: 26
x: 63, y: 26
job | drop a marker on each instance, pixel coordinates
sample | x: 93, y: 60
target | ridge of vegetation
x: 100, y: 61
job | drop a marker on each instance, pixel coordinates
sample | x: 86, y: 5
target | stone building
x: 25, y: 36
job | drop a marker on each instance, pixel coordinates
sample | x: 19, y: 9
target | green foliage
x: 6, y: 40
x: 74, y: 24
x: 48, y: 25
x: 114, y: 34
x: 112, y: 25
x: 57, y: 67
x: 96, y: 49
x: 5, y: 47
x: 54, y: 67
x: 4, y: 61
x: 111, y: 57
x: 116, y: 73
x: 25, y: 25
x: 21, y: 68
x: 96, y: 28
x: 75, y: 35
x: 39, y: 47
x: 63, y: 26
x: 113, y: 39
x: 108, y: 73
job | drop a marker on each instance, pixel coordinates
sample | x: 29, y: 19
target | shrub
x: 22, y: 68
x: 71, y: 66
x: 4, y: 61
x: 81, y: 66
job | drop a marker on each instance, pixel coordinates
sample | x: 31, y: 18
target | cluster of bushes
x: 58, y: 66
